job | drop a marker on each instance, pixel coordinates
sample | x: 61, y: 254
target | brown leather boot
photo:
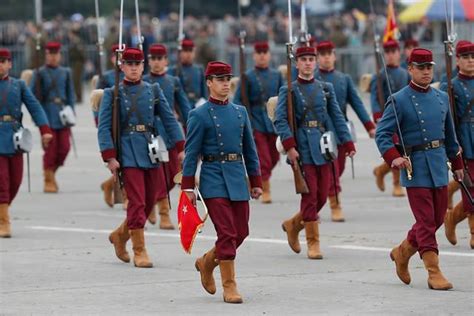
x: 451, y: 219
x: 401, y: 255
x: 397, y: 188
x: 471, y: 228
x: 292, y: 227
x: 266, y: 196
x: 152, y: 217
x: 164, y: 210
x: 119, y: 238
x: 380, y: 172
x: 312, y: 239
x: 336, y: 210
x: 436, y: 279
x: 50, y: 185
x: 140, y: 258
x: 231, y: 294
x: 108, y: 188
x: 453, y: 186
x: 5, y: 229
x: 206, y: 265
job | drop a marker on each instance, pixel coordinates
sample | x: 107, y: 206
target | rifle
x: 139, y: 31
x: 38, y: 9
x: 243, y: 77
x: 304, y: 36
x: 378, y: 67
x: 180, y: 37
x: 300, y: 182
x: 100, y: 43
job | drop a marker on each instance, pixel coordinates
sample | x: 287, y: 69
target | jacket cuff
x: 369, y: 126
x: 44, y: 129
x: 457, y: 163
x: 180, y: 146
x: 96, y: 120
x: 109, y: 154
x: 255, y: 181
x: 349, y: 146
x: 188, y: 182
x: 390, y: 155
x: 377, y: 116
x: 289, y: 143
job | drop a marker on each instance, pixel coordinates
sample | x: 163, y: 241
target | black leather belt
x: 430, y: 145
x: 7, y: 118
x: 224, y: 157
x: 313, y: 123
x: 139, y: 129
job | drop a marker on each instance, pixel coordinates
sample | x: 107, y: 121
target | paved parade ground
x: 60, y: 261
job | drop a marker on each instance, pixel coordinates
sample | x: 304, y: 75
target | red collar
x: 4, y: 78
x: 419, y: 88
x: 324, y: 71
x: 219, y: 102
x: 131, y: 83
x: 261, y: 68
x: 305, y: 81
x: 157, y: 75
x: 465, y: 77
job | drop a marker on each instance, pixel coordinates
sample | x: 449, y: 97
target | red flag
x: 189, y: 222
x: 391, y: 30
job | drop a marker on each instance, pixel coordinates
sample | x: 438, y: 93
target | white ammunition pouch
x: 352, y: 131
x: 67, y: 116
x: 23, y: 140
x: 279, y: 146
x: 200, y: 102
x: 328, y: 146
x: 157, y: 150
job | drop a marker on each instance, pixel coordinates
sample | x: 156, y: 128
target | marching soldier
x: 444, y: 81
x: 409, y: 45
x: 140, y: 104
x: 316, y: 111
x: 220, y: 133
x: 399, y: 78
x: 346, y: 93
x: 427, y: 129
x: 190, y: 75
x: 262, y: 83
x: 14, y: 92
x: 53, y: 86
x: 174, y: 94
x: 463, y: 90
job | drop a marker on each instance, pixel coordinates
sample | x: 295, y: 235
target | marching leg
x: 397, y: 188
x: 401, y: 256
x: 292, y: 227
x: 119, y: 238
x: 312, y: 239
x: 164, y: 211
x: 336, y: 210
x: 436, y: 279
x: 108, y: 188
x: 206, y: 265
x: 140, y: 258
x: 5, y: 229
x: 231, y: 294
x: 452, y: 218
x: 380, y: 172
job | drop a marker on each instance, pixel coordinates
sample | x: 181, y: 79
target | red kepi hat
x: 421, y: 56
x: 464, y: 47
x: 262, y: 47
x: 325, y: 46
x: 187, y: 44
x: 218, y: 69
x: 5, y: 54
x: 157, y: 50
x: 132, y: 55
x: 305, y: 50
x: 411, y: 42
x: 390, y: 44
x: 53, y: 47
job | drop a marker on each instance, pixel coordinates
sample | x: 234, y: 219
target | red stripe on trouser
x: 231, y: 221
x: 429, y: 207
x: 468, y: 208
x: 11, y: 171
x: 340, y: 165
x: 142, y: 187
x: 267, y: 153
x: 173, y: 167
x: 317, y: 179
x: 58, y: 149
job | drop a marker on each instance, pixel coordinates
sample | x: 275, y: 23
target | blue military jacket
x: 193, y: 81
x: 218, y: 129
x: 261, y: 85
x: 346, y: 93
x: 463, y: 88
x: 174, y: 94
x: 424, y: 117
x: 56, y: 91
x: 14, y: 93
x: 318, y: 100
x: 398, y: 77
x: 150, y: 103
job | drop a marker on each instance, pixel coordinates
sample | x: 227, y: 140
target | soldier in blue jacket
x: 408, y: 46
x: 140, y: 104
x: 220, y: 134
x: 463, y: 90
x: 316, y: 111
x: 427, y: 129
x: 399, y: 78
x: 14, y: 92
x: 346, y: 93
x: 53, y: 86
x: 262, y: 83
x: 177, y: 100
x: 191, y: 75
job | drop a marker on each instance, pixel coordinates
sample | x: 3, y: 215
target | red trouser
x: 317, y: 179
x: 56, y: 153
x: 11, y: 174
x: 231, y: 221
x: 267, y: 152
x: 143, y: 190
x: 429, y: 207
x: 340, y: 166
x: 173, y: 167
x: 468, y: 208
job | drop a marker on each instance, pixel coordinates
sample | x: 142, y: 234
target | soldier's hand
x: 256, y: 192
x: 372, y: 133
x: 181, y: 157
x: 113, y: 165
x: 293, y: 155
x: 400, y: 163
x: 351, y: 154
x: 46, y: 139
x: 459, y: 175
x: 191, y: 196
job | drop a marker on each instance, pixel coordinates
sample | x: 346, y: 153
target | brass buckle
x: 191, y: 95
x: 312, y: 123
x: 57, y: 100
x: 140, y: 128
x: 7, y: 118
x: 232, y: 157
x: 435, y: 144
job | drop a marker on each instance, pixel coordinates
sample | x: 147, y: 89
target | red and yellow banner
x: 391, y: 30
